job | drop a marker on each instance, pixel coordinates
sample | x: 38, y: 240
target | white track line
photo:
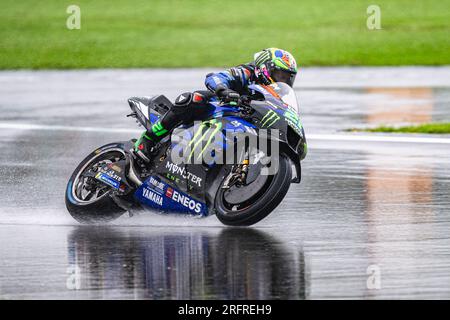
x: 375, y: 138
x: 26, y: 126
x: 326, y: 137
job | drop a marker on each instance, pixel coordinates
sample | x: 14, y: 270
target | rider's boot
x: 144, y: 147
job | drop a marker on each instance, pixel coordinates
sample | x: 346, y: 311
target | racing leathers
x: 227, y: 85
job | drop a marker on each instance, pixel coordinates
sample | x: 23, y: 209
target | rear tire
x: 102, y: 209
x: 269, y: 197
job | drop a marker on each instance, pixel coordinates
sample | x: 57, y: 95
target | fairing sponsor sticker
x: 152, y: 196
x: 156, y: 193
x: 183, y: 173
x: 108, y: 180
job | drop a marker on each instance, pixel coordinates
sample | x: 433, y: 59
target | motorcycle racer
x: 269, y: 65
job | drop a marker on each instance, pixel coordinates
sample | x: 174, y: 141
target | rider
x: 269, y: 65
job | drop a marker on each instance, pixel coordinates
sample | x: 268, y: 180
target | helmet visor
x: 283, y: 76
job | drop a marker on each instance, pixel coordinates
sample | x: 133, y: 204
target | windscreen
x: 287, y: 94
x: 276, y: 92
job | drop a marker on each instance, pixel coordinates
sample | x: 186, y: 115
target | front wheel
x: 247, y: 204
x: 89, y: 200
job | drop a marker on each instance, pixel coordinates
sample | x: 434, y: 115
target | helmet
x: 275, y: 65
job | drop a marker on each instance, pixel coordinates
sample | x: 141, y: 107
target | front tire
x: 102, y: 207
x: 268, y: 197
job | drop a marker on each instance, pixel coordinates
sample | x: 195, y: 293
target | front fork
x: 238, y: 175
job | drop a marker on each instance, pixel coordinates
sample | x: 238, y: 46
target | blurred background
x: 206, y: 33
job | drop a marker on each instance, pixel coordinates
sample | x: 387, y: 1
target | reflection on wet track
x: 369, y: 220
x: 233, y: 264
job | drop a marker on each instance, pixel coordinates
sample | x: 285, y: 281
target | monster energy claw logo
x: 293, y: 120
x: 199, y: 136
x: 262, y: 57
x: 270, y: 119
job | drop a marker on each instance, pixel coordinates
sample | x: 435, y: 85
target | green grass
x: 433, y: 128
x: 199, y: 33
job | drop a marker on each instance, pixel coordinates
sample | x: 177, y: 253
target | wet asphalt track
x: 370, y: 219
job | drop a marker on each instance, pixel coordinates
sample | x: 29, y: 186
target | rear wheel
x: 249, y: 203
x: 87, y: 199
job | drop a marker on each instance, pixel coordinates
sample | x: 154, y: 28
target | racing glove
x: 227, y: 95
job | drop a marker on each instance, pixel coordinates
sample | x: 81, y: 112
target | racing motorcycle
x: 112, y: 180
